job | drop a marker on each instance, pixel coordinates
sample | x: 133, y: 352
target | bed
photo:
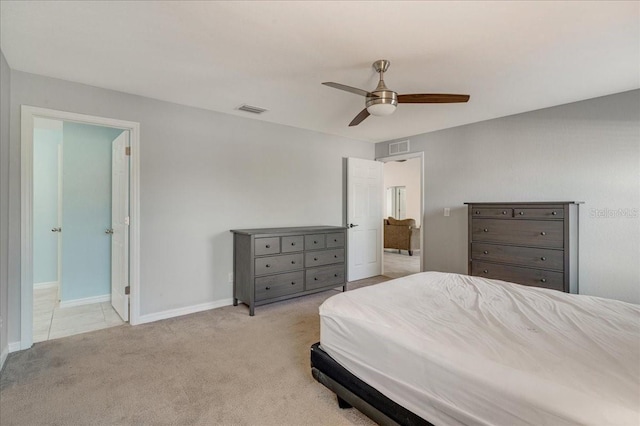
x: 448, y: 349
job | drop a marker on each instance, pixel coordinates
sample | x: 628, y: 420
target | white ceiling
x: 510, y: 56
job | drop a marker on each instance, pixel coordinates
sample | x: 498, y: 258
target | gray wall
x: 202, y: 174
x: 586, y: 151
x: 5, y: 96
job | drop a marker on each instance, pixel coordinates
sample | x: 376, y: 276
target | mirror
x: 396, y: 202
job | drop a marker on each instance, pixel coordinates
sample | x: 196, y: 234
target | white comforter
x: 456, y: 349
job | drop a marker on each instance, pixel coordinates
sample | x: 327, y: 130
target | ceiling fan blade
x: 359, y: 118
x: 348, y: 88
x: 431, y: 98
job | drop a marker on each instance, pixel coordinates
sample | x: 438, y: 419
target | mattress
x: 456, y: 349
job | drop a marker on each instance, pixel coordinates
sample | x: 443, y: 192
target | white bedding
x: 456, y: 349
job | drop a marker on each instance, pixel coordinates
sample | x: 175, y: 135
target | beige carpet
x: 219, y: 367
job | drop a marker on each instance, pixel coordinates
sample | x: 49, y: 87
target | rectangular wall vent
x: 252, y: 109
x: 399, y: 147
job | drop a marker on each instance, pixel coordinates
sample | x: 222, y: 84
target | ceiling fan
x: 383, y: 101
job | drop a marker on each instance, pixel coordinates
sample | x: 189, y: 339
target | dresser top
x: 289, y: 230
x: 525, y: 203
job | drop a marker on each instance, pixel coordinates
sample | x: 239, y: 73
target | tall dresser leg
x: 235, y: 302
x: 251, y: 310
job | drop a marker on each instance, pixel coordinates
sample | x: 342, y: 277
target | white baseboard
x: 171, y: 313
x: 14, y: 347
x: 50, y: 284
x: 85, y: 301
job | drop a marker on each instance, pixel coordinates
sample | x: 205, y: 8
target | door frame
x: 408, y: 156
x: 28, y: 113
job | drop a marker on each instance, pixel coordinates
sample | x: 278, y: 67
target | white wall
x: 5, y: 96
x: 407, y: 174
x: 202, y: 174
x: 586, y: 151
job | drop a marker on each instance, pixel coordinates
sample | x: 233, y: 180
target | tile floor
x: 50, y: 321
x: 399, y: 265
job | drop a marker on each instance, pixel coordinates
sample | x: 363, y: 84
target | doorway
x: 85, y: 259
x: 402, y: 252
x: 73, y: 198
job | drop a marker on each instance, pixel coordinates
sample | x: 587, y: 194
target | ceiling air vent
x: 399, y: 147
x: 252, y: 109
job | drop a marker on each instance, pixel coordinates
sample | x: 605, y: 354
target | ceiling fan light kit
x: 383, y: 101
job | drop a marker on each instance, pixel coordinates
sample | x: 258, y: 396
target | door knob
x: 109, y: 231
x: 351, y: 225
x: 56, y: 229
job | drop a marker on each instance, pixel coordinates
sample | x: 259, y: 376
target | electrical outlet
x: 231, y: 277
x: 447, y: 211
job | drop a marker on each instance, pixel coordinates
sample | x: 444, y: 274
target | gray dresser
x: 273, y: 264
x: 533, y: 244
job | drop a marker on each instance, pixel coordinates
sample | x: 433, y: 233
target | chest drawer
x: 519, y: 275
x: 539, y: 213
x: 279, y: 285
x: 275, y: 264
x: 326, y: 257
x: 335, y: 240
x: 524, y: 256
x: 325, y: 276
x: 537, y: 233
x: 492, y: 212
x: 312, y: 242
x: 292, y: 244
x: 264, y: 246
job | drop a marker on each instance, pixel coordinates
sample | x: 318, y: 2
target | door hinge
x: 127, y: 290
x: 127, y: 151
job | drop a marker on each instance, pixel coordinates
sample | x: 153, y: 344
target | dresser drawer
x: 279, y: 285
x: 537, y: 233
x: 326, y: 257
x: 491, y: 212
x: 275, y: 264
x: 263, y: 246
x: 523, y: 256
x: 312, y: 242
x: 539, y: 213
x: 291, y: 244
x: 322, y: 277
x: 519, y: 275
x: 335, y: 240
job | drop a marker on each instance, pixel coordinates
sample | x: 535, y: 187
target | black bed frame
x: 353, y: 392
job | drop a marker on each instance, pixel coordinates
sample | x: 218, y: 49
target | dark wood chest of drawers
x: 533, y: 244
x: 273, y: 264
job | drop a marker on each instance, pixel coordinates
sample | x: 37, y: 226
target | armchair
x: 401, y: 235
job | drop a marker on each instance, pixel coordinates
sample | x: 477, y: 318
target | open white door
x: 364, y: 218
x: 120, y: 225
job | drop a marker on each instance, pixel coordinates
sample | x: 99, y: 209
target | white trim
x: 3, y: 356
x: 85, y: 301
x: 15, y: 347
x: 26, y: 204
x: 171, y: 313
x: 408, y: 156
x: 50, y: 284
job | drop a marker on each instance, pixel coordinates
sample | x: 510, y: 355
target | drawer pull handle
x: 543, y: 280
x: 315, y: 242
x: 268, y: 246
x: 267, y: 288
x: 293, y: 262
x: 554, y: 213
x: 267, y: 265
x: 335, y: 240
x: 293, y: 283
x: 543, y: 233
x: 485, y: 230
x: 504, y: 212
x: 485, y: 252
x: 315, y: 258
x: 293, y: 244
x: 543, y: 258
x: 315, y: 278
x: 485, y: 271
x: 477, y: 212
x: 521, y: 213
x: 335, y: 275
x: 335, y: 256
